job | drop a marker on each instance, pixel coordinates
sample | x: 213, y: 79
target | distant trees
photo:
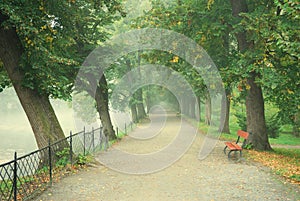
x: 255, y: 46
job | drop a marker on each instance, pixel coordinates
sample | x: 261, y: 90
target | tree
x: 256, y: 123
x: 139, y: 93
x: 36, y: 106
x: 42, y: 43
x: 102, y: 101
x: 279, y: 40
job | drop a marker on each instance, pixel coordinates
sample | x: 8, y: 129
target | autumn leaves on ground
x: 284, y: 162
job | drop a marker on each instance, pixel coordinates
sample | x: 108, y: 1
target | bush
x: 273, y: 126
x: 241, y: 120
x: 81, y: 159
x: 62, y: 157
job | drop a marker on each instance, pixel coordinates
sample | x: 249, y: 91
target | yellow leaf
x: 175, y: 59
x: 290, y: 91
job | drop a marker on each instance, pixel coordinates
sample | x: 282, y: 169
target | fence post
x: 93, y: 140
x: 130, y: 125
x: 71, y: 148
x: 125, y: 129
x: 50, y: 162
x: 117, y: 131
x: 84, y: 141
x: 15, y: 187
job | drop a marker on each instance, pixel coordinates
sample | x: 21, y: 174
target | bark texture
x: 134, y: 114
x: 296, y: 126
x: 140, y: 105
x: 102, y: 101
x: 207, y: 110
x: 192, y: 108
x: 256, y: 123
x: 225, y: 111
x: 199, y: 108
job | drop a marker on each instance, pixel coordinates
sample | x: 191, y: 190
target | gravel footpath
x: 214, y: 178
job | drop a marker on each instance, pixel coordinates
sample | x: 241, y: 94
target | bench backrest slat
x: 243, y: 134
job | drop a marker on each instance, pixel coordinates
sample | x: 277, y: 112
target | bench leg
x: 234, y: 152
x: 230, y: 153
x: 225, y: 149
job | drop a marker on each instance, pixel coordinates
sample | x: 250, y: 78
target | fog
x: 16, y: 133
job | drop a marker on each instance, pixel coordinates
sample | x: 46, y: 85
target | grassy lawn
x: 285, y: 139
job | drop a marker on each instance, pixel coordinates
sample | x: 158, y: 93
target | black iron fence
x: 25, y: 176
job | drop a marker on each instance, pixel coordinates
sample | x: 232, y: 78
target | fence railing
x: 25, y: 176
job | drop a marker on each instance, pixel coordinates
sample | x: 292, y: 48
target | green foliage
x: 241, y: 120
x: 63, y: 157
x: 56, y: 37
x: 81, y: 159
x: 273, y: 126
x: 84, y: 159
x: 293, y: 153
x: 248, y: 146
x: 5, y: 185
x: 42, y: 170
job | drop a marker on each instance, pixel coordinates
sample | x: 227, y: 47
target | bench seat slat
x: 233, y: 146
x: 243, y: 134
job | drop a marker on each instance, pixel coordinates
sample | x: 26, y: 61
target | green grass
x: 285, y: 139
x: 292, y: 153
x: 287, y: 128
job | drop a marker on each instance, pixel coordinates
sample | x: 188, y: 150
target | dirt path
x: 214, y: 178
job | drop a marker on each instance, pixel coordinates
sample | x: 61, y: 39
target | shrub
x: 273, y: 126
x: 63, y: 157
x: 241, y: 120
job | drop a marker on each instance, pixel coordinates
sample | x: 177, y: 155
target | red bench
x: 234, y: 146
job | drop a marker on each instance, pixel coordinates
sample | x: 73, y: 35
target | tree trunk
x: 140, y: 105
x: 199, y: 108
x: 38, y: 109
x: 207, y: 110
x: 296, y: 126
x: 185, y: 105
x: 101, y: 98
x: 134, y: 114
x: 256, y: 123
x: 225, y: 109
x: 192, y: 108
x: 148, y: 100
